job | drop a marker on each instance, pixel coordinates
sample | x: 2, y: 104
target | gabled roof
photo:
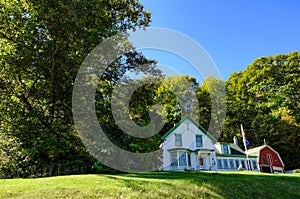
x: 187, y: 117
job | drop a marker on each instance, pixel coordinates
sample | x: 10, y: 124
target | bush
x: 297, y: 171
x: 12, y: 157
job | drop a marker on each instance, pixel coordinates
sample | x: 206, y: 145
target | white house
x: 188, y: 146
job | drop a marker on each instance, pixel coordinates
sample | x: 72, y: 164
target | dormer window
x: 199, y: 141
x: 225, y: 149
x: 178, y: 140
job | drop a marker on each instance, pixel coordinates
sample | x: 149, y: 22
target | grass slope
x: 156, y: 185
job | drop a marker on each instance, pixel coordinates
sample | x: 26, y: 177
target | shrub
x: 297, y: 171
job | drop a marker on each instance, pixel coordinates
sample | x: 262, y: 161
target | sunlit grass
x: 156, y: 185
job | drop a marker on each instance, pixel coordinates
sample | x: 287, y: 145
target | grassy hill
x: 156, y: 185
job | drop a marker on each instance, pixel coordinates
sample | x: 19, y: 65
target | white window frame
x: 176, y: 142
x: 201, y: 145
x: 178, y: 154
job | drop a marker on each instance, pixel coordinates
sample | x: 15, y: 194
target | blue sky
x: 233, y: 32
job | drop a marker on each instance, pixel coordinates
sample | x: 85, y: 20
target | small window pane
x: 198, y: 141
x: 231, y: 163
x: 254, y: 165
x: 225, y: 162
x: 237, y: 164
x: 225, y: 149
x: 243, y: 164
x: 182, y: 159
x: 220, y: 164
x: 178, y: 140
x: 174, y: 161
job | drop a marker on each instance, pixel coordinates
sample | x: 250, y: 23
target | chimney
x: 235, y: 140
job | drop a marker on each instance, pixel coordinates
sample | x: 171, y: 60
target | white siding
x: 188, y: 132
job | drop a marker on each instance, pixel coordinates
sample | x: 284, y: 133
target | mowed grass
x: 156, y: 185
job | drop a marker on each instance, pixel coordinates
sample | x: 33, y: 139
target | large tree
x: 212, y: 105
x: 42, y: 45
x: 265, y: 99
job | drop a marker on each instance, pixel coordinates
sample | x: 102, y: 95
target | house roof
x: 234, y: 148
x: 187, y: 117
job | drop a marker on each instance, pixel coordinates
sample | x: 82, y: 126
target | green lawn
x: 156, y: 185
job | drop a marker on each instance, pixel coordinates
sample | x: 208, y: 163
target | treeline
x: 41, y: 49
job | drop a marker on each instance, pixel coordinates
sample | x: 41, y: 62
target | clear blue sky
x: 233, y: 32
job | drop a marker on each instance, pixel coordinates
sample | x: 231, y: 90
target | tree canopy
x: 265, y: 98
x: 42, y: 45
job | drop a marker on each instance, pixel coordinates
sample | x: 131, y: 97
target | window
x: 254, y: 163
x: 237, y: 164
x: 231, y: 164
x: 182, y: 158
x: 225, y: 163
x: 178, y: 140
x: 220, y: 164
x: 174, y: 159
x: 243, y: 164
x: 198, y: 140
x: 225, y: 149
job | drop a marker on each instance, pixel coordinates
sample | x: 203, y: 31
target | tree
x: 177, y: 94
x: 265, y: 99
x: 212, y: 105
x: 42, y: 45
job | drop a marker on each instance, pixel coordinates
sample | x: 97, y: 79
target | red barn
x: 268, y: 159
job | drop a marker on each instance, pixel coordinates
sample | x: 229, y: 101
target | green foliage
x: 178, y: 98
x: 42, y: 45
x: 212, y: 105
x: 265, y: 99
x: 296, y: 171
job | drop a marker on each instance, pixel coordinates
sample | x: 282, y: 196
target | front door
x: 203, y: 161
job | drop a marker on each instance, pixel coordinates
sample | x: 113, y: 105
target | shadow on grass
x: 213, y: 185
x: 163, y: 188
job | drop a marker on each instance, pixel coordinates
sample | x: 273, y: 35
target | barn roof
x: 255, y: 151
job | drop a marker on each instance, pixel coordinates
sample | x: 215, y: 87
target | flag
x: 246, y: 142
